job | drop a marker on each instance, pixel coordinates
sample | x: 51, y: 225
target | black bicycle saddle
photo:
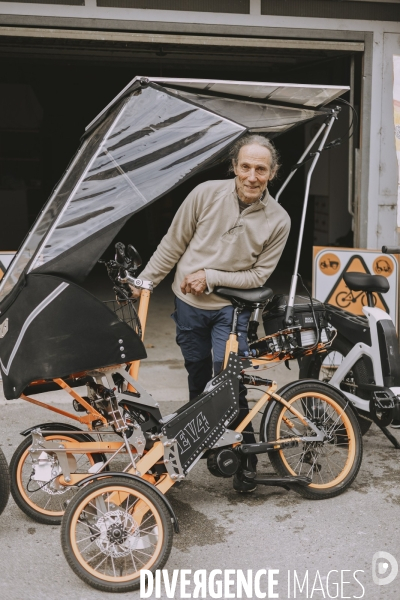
x: 358, y: 282
x: 258, y: 295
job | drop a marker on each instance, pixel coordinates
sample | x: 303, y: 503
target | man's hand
x: 195, y: 283
x: 135, y: 292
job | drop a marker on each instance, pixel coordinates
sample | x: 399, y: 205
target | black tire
x: 325, y: 407
x: 81, y: 519
x: 4, y: 482
x: 312, y: 367
x: 19, y: 469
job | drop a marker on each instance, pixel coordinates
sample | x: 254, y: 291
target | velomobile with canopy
x: 153, y: 136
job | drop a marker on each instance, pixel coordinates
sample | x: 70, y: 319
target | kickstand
x: 390, y: 436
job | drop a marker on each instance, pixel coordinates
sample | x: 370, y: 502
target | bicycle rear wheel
x: 331, y: 464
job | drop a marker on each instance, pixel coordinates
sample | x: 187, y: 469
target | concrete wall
x: 377, y: 189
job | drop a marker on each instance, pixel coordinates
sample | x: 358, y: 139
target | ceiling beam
x: 189, y: 40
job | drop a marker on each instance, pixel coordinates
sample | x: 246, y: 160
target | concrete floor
x: 220, y: 529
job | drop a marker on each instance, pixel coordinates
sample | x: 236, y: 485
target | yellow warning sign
x: 329, y: 264
x: 383, y: 265
x: 353, y: 302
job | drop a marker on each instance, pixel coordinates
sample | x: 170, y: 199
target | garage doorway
x: 54, y: 87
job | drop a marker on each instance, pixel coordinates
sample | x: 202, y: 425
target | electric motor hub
x: 223, y: 463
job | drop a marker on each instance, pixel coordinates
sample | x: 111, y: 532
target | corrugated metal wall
x: 65, y: 2
x: 332, y: 9
x: 216, y: 6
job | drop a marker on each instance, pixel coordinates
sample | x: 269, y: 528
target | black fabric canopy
x: 146, y: 142
x: 153, y: 136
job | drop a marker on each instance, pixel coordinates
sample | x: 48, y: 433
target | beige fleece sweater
x: 238, y: 250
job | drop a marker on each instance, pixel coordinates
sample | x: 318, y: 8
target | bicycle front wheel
x: 331, y: 464
x: 114, y: 528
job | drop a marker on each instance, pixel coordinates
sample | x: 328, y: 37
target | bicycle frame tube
x: 232, y: 345
x: 142, y: 314
x: 92, y: 413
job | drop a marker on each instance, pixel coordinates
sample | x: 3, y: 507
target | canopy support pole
x: 300, y: 161
x: 324, y: 130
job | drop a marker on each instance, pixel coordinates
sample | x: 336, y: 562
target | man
x: 229, y: 233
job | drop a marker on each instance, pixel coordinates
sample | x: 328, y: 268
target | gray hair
x: 261, y: 141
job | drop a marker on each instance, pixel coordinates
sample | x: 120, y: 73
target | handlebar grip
x: 389, y: 250
x: 120, y: 252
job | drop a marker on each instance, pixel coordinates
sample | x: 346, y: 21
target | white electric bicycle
x: 363, y: 360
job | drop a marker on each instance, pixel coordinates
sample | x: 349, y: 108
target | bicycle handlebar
x: 122, y: 269
x: 144, y: 284
x: 389, y: 250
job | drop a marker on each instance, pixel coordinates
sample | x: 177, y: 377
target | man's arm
x: 174, y: 242
x: 259, y: 273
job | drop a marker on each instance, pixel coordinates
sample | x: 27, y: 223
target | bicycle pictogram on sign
x: 341, y: 296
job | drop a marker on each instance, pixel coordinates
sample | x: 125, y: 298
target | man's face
x: 253, y: 171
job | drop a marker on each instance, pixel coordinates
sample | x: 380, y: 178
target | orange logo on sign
x: 383, y: 265
x: 329, y: 264
x: 353, y: 302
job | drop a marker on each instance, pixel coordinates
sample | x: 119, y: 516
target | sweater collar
x: 257, y: 205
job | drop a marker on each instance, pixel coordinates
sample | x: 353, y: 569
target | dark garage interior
x: 52, y: 88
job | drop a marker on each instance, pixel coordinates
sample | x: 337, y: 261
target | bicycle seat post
x: 237, y: 310
x: 370, y: 298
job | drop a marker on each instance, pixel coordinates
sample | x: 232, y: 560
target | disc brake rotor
x: 119, y: 533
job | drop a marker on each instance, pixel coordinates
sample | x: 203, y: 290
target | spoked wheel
x: 45, y: 500
x: 112, y: 529
x: 323, y: 367
x: 4, y: 482
x: 332, y: 464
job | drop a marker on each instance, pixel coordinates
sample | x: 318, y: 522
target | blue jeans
x: 202, y: 336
